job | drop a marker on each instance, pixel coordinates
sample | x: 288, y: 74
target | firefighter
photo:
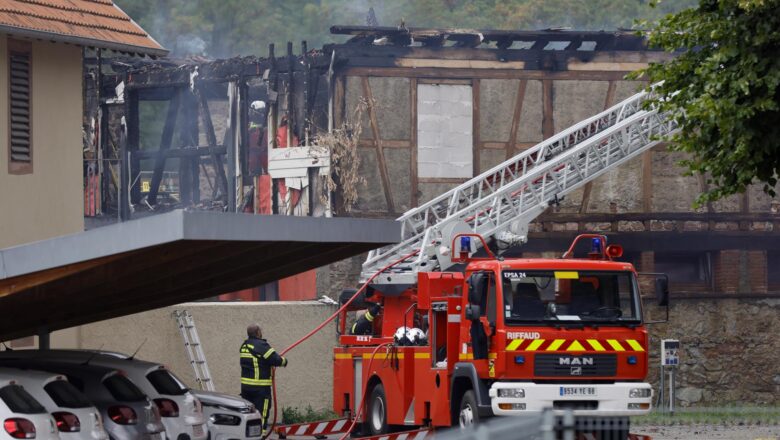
x: 363, y: 325
x: 257, y: 359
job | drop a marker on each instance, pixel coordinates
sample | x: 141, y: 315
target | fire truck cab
x: 502, y: 337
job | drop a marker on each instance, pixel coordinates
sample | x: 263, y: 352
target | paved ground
x: 715, y: 432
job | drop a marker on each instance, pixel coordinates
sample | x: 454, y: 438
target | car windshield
x: 64, y: 394
x: 569, y: 296
x: 164, y: 382
x: 20, y: 401
x: 122, y: 389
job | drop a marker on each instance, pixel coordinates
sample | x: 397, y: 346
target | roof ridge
x: 73, y: 22
x: 49, y: 4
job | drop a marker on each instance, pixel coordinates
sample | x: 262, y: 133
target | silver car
x: 180, y: 410
x: 75, y: 416
x: 23, y: 417
x: 127, y: 413
x: 230, y: 417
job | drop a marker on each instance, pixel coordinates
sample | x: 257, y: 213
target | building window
x: 444, y: 131
x: 688, y: 272
x: 20, y: 153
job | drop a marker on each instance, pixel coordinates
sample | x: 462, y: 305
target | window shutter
x: 20, y: 95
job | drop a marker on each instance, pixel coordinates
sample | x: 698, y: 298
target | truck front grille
x: 566, y: 365
x: 576, y: 404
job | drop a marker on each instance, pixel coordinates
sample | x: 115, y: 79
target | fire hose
x: 320, y: 327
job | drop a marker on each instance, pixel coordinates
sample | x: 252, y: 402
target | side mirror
x: 477, y: 286
x: 662, y: 290
x: 473, y: 312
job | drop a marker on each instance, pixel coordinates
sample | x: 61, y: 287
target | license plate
x: 255, y: 430
x: 197, y: 430
x: 578, y: 391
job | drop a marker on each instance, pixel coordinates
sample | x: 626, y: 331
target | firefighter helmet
x: 402, y: 336
x: 416, y: 336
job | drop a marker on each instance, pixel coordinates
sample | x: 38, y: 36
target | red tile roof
x: 98, y: 23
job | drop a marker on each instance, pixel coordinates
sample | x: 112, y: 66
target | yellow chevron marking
x: 422, y: 355
x: 635, y: 345
x: 556, y: 344
x: 343, y: 356
x: 566, y: 275
x: 596, y: 345
x: 575, y: 346
x: 514, y: 344
x: 615, y: 345
x: 534, y: 345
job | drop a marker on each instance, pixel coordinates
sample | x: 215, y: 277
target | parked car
x: 23, y: 417
x: 180, y: 410
x: 127, y: 412
x: 75, y: 416
x: 230, y: 417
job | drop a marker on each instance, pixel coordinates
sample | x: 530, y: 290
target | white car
x: 230, y: 417
x: 75, y: 416
x: 180, y: 410
x: 23, y: 417
x: 127, y: 412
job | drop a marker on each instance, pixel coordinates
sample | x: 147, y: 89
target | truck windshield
x: 569, y: 296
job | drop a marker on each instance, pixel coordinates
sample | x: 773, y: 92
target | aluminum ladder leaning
x: 194, y: 349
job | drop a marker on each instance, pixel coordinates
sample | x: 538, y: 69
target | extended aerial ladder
x: 500, y: 203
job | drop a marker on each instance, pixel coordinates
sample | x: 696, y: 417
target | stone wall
x: 729, y: 350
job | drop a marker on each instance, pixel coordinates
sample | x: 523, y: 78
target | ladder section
x: 509, y: 196
x: 194, y: 349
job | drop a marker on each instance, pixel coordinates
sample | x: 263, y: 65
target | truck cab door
x: 482, y: 286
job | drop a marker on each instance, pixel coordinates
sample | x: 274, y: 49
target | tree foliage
x: 723, y: 90
x: 224, y: 28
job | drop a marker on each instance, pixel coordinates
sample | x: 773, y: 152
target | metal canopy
x: 167, y: 259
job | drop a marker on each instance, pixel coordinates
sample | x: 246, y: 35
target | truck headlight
x: 636, y: 393
x: 517, y: 393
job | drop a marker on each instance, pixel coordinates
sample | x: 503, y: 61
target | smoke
x: 189, y: 44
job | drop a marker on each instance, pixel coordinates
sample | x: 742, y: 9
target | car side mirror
x: 662, y: 290
x: 473, y: 312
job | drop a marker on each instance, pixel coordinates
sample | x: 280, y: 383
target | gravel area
x: 730, y: 432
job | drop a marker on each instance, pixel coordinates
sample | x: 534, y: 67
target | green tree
x: 723, y: 90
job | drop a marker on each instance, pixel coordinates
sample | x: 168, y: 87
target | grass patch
x: 731, y: 415
x: 292, y: 415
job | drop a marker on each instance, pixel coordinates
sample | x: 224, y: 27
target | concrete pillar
x: 44, y: 339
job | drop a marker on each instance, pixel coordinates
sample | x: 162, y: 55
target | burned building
x: 442, y: 106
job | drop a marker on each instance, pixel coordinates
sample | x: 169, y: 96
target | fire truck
x: 501, y: 336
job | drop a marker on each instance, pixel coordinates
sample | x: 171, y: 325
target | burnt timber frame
x: 188, y: 88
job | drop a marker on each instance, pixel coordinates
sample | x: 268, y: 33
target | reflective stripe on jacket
x: 257, y: 359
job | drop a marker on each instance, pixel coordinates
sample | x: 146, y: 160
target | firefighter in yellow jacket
x: 364, y: 325
x: 257, y: 361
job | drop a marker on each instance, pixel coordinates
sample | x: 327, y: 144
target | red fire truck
x: 505, y: 336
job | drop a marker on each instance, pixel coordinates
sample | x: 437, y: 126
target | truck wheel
x: 468, y: 415
x: 377, y: 411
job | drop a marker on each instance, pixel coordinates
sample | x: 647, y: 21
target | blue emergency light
x: 596, y: 245
x: 465, y: 244
x: 520, y: 360
x: 632, y: 360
